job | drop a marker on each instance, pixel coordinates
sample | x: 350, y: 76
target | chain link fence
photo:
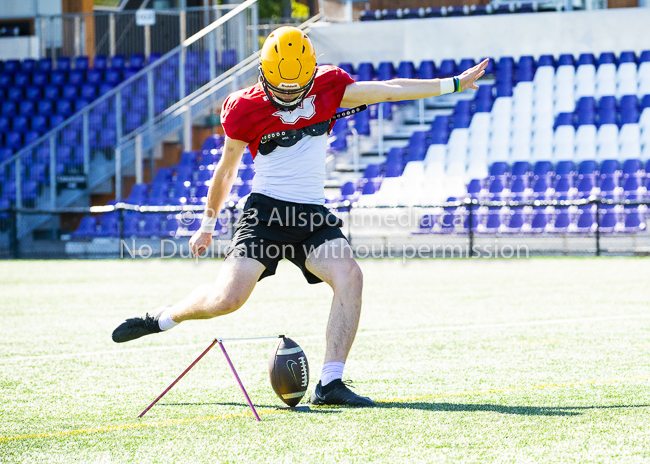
x: 467, y: 229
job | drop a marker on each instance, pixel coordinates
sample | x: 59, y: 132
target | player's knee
x: 350, y: 277
x: 224, y: 304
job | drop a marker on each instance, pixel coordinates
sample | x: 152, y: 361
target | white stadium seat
x: 544, y: 75
x: 586, y: 81
x: 606, y: 80
x: 630, y: 133
x: 607, y: 150
x: 626, y: 72
x: 585, y: 141
x: 542, y: 152
x: 543, y: 136
x: 607, y: 133
x: 543, y: 121
x: 498, y: 152
x: 629, y: 150
x: 520, y: 151
x: 644, y: 120
x: 565, y: 75
x: 644, y: 87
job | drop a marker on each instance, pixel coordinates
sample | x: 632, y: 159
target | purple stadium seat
x: 151, y: 225
x: 87, y: 228
x: 586, y: 219
x: 515, y: 222
x: 608, y: 220
x: 634, y: 221
x: 562, y: 221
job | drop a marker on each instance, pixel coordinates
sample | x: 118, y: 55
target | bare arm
x: 368, y: 93
x: 224, y: 177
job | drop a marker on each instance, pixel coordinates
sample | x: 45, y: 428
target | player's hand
x: 200, y: 242
x: 469, y: 77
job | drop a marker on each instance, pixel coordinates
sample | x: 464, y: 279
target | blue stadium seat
x: 465, y: 64
x: 64, y: 108
x: 22, y: 80
x: 28, y: 65
x: 33, y: 93
x: 566, y: 59
x: 427, y: 70
x: 45, y: 108
x: 87, y: 228
x: 447, y: 68
x: 100, y: 62
x: 406, y: 70
x: 81, y: 63
x: 12, y: 66
x: 627, y: 57
x: 52, y: 93
x: 347, y: 67
x: 8, y: 109
x: 76, y: 78
x: 606, y: 58
x: 70, y: 92
x: 546, y: 60
x: 40, y: 79
x: 117, y: 62
x: 95, y: 77
x: 15, y: 94
x: 58, y: 78
x: 136, y: 61
x: 5, y: 124
x: 45, y: 65
x: 39, y: 124
x: 63, y: 63
x: 366, y: 71
x: 56, y: 120
x: 14, y: 140
x: 20, y: 124
x: 113, y: 77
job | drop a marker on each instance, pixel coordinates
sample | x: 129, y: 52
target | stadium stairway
x: 94, y: 130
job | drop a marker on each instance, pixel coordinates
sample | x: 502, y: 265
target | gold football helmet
x: 287, y: 67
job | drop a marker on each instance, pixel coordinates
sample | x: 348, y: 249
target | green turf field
x: 539, y: 360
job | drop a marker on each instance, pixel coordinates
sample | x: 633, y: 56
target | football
x: 289, y: 372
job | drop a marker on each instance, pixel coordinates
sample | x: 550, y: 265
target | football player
x: 284, y: 120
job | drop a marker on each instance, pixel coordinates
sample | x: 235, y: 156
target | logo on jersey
x: 306, y: 110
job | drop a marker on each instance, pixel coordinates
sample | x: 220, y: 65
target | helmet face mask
x: 273, y: 93
x: 287, y: 67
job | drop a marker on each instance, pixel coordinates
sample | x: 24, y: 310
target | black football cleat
x: 337, y: 393
x: 138, y: 326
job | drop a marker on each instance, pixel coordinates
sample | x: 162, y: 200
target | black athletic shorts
x: 270, y: 230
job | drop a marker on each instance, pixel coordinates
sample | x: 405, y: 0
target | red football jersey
x: 247, y: 114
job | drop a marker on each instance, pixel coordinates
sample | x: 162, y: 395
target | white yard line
x: 448, y: 328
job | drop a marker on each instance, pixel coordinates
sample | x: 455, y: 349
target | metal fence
x: 117, y: 32
x: 467, y: 229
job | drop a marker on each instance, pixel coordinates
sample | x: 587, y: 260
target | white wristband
x: 446, y: 86
x: 208, y: 224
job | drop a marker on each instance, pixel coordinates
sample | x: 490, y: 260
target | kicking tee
x: 293, y: 173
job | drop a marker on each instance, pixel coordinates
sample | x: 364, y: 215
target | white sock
x: 331, y: 371
x: 165, y: 321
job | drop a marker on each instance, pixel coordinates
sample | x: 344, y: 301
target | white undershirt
x: 295, y: 173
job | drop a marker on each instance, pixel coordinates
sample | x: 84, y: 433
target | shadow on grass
x: 257, y: 406
x: 520, y: 410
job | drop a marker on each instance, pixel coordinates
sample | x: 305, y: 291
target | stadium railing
x: 81, y: 151
x: 461, y: 229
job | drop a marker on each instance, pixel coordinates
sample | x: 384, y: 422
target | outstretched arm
x: 368, y: 93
